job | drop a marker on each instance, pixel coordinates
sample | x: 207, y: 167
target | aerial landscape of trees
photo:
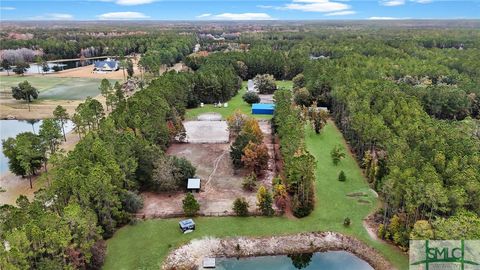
x: 406, y: 101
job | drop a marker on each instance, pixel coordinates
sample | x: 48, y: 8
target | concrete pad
x: 209, y: 117
x: 206, y: 131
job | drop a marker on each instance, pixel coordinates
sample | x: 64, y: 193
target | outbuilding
x: 193, y: 184
x: 187, y: 225
x: 263, y: 108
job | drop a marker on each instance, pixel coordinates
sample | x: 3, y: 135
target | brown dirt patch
x: 221, y: 184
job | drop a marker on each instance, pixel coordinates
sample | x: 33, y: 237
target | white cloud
x: 236, y: 16
x: 392, y: 3
x: 387, y: 18
x: 316, y: 6
x: 125, y: 2
x: 127, y: 15
x: 133, y: 2
x: 422, y: 1
x: 204, y: 15
x: 7, y: 8
x: 53, y: 17
x: 341, y: 13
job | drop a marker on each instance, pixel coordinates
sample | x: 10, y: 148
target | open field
x: 236, y: 103
x: 145, y: 245
x: 53, y: 88
x: 68, y: 92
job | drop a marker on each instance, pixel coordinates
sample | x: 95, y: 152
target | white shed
x: 193, y: 184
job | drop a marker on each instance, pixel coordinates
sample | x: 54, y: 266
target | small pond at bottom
x: 331, y: 260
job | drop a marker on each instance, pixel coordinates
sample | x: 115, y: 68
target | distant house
x: 193, y: 185
x: 107, y: 65
x: 263, y: 108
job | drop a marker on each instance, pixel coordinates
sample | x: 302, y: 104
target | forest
x: 407, y: 101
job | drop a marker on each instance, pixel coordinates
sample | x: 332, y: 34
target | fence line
x: 169, y: 214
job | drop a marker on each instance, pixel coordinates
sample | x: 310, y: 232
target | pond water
x: 10, y: 128
x: 331, y: 260
x: 36, y: 69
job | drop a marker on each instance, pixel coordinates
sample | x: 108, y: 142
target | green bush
x: 240, y: 206
x: 251, y: 97
x: 250, y: 182
x: 190, y: 205
x: 342, y: 177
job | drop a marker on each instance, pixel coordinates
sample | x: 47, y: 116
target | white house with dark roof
x: 107, y: 65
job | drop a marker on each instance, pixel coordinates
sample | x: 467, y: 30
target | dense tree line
x: 298, y: 164
x: 386, y: 103
x: 93, y: 189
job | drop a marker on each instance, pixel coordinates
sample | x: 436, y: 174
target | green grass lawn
x: 145, y: 245
x: 236, y: 103
x: 55, y: 88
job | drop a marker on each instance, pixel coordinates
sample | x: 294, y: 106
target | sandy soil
x: 10, y: 108
x: 190, y: 256
x: 221, y: 184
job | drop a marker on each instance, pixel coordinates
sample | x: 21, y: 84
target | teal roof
x: 263, y: 106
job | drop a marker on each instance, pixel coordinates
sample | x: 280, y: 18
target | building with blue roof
x: 107, y: 65
x: 263, y: 108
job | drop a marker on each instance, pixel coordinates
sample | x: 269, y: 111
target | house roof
x: 193, y: 183
x: 111, y: 64
x: 186, y: 223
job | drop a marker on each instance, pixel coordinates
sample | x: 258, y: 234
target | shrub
x: 99, y: 251
x: 240, y: 206
x: 250, y: 182
x: 264, y: 201
x: 303, y: 97
x: 280, y: 196
x: 298, y: 81
x: 56, y: 68
x: 190, y: 205
x: 265, y: 84
x: 342, y: 177
x: 337, y: 154
x: 251, y: 97
x: 346, y: 222
x: 255, y: 157
x: 131, y: 201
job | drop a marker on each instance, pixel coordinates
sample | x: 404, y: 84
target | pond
x: 37, y: 69
x: 331, y: 260
x: 10, y: 128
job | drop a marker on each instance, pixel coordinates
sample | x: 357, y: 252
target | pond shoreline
x: 190, y: 256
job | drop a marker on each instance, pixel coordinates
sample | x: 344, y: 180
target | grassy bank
x: 145, y: 245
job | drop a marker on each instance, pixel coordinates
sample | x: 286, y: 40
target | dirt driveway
x: 221, y: 184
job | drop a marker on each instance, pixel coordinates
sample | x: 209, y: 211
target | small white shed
x: 193, y: 184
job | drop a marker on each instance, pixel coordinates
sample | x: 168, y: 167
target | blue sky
x: 237, y: 10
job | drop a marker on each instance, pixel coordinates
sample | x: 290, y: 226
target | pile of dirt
x: 190, y: 256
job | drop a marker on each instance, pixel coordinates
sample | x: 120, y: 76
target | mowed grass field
x: 146, y: 244
x: 236, y: 103
x: 55, y: 88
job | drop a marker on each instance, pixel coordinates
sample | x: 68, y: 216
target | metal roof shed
x: 187, y: 225
x: 263, y: 108
x: 193, y: 184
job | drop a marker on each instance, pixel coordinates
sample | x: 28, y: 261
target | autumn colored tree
x: 264, y: 201
x: 255, y: 157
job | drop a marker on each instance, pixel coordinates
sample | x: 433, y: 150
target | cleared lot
x: 206, y: 131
